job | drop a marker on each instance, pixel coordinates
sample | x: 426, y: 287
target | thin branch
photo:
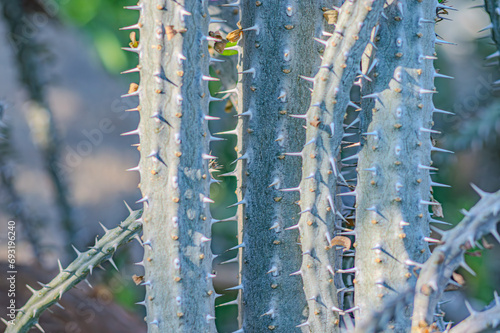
x: 77, y: 271
x: 435, y: 274
x: 480, y: 321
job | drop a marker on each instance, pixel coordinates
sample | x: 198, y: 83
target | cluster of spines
x: 393, y: 193
x: 77, y: 271
x: 174, y: 166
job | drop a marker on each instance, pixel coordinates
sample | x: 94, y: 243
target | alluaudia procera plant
x: 296, y: 270
x: 175, y: 179
x: 393, y: 191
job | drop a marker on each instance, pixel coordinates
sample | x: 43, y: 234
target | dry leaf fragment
x: 134, y: 42
x: 437, y: 210
x: 458, y: 278
x: 170, y: 31
x: 474, y: 253
x: 133, y: 88
x: 343, y: 241
x: 486, y: 245
x: 315, y: 123
x: 234, y: 35
x: 220, y: 45
x: 331, y: 16
x: 137, y: 279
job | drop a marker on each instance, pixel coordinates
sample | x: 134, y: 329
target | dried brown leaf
x: 437, y: 210
x: 458, y: 279
x: 234, y: 35
x: 341, y: 241
x: 331, y: 16
x: 137, y: 279
x: 133, y: 88
x: 487, y: 245
x: 170, y: 31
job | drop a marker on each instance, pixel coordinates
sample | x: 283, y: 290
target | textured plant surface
x: 393, y: 191
x: 77, y: 271
x: 277, y: 47
x: 320, y: 172
x: 175, y: 179
x: 493, y: 9
x: 296, y: 267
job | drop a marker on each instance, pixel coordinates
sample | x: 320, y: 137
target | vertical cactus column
x: 174, y: 145
x: 276, y: 48
x: 492, y: 7
x: 320, y: 215
x: 393, y: 191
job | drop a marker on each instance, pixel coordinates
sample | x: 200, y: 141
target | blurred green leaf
x: 229, y: 52
x: 109, y: 49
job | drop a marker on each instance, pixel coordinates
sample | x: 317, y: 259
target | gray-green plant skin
x: 378, y: 320
x: 69, y: 277
x: 436, y: 273
x: 175, y: 179
x: 493, y: 9
x: 393, y: 190
x: 277, y: 46
x: 321, y: 269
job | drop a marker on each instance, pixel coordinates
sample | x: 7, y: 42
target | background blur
x: 76, y: 45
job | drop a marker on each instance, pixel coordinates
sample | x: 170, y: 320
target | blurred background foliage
x: 473, y: 133
x: 99, y: 20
